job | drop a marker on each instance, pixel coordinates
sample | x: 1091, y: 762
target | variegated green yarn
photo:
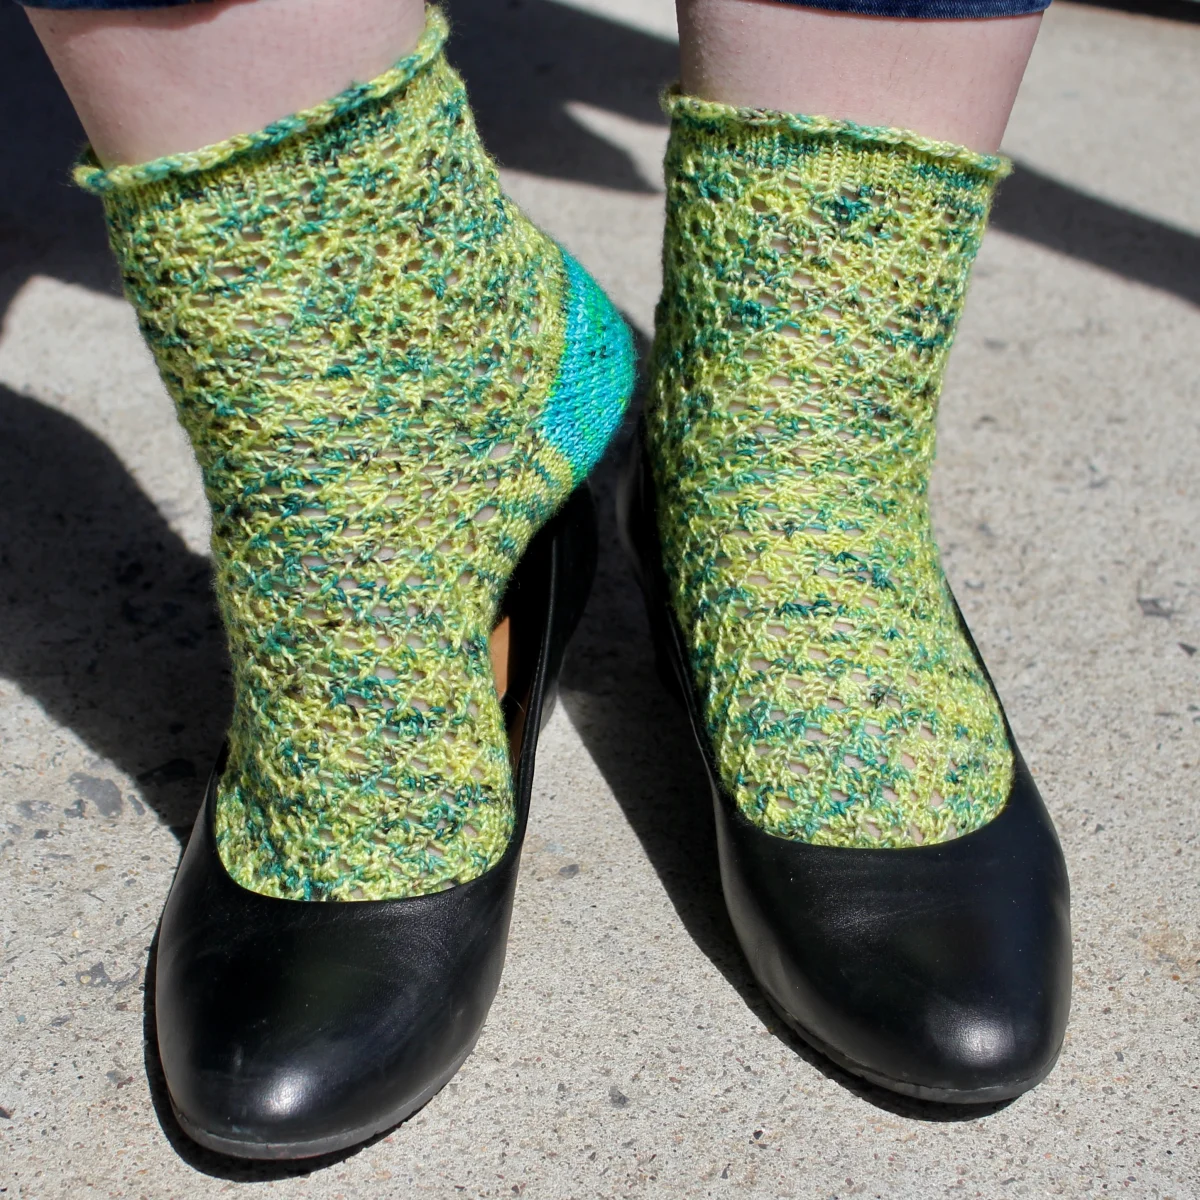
x: 814, y: 274
x: 391, y: 380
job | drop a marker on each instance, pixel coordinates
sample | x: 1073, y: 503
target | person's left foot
x: 815, y: 271
x: 888, y: 866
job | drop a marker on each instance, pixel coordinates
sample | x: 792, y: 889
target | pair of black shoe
x: 289, y: 1029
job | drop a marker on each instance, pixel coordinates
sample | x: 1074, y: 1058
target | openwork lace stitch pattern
x: 391, y: 380
x: 814, y: 273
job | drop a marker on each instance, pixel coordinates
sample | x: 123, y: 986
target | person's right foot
x: 392, y: 380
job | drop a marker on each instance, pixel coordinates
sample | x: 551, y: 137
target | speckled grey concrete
x: 628, y: 1053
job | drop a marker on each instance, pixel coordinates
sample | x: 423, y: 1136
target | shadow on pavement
x: 1168, y: 10
x: 1039, y: 209
x: 108, y: 618
x: 46, y: 223
x: 525, y: 60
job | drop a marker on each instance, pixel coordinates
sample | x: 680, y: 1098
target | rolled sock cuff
x: 243, y: 146
x: 772, y: 140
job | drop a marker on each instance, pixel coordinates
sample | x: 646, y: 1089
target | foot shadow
x: 1033, y: 206
x: 108, y: 618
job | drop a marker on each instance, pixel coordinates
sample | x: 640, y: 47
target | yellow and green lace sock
x: 814, y: 274
x: 391, y: 380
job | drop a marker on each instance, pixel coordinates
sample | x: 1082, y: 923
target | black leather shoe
x: 941, y: 972
x: 289, y: 1029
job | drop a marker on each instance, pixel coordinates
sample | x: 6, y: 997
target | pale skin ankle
x: 954, y: 80
x: 146, y: 83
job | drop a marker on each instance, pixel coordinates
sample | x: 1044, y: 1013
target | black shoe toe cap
x: 941, y: 972
x: 289, y: 1028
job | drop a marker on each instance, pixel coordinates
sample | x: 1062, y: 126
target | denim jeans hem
x: 913, y: 9
x: 105, y: 5
x: 927, y: 10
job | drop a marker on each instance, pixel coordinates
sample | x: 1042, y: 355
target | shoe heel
x: 576, y: 552
x: 667, y: 677
x: 635, y: 522
x: 664, y: 663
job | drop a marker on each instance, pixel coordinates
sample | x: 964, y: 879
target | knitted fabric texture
x: 391, y: 380
x: 814, y: 274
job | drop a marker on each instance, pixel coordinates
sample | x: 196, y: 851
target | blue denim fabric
x: 101, y: 5
x: 927, y: 9
x: 871, y: 8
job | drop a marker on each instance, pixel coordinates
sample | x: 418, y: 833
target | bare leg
x: 155, y: 82
x: 954, y: 80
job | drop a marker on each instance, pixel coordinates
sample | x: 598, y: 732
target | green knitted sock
x: 391, y: 380
x: 814, y: 274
